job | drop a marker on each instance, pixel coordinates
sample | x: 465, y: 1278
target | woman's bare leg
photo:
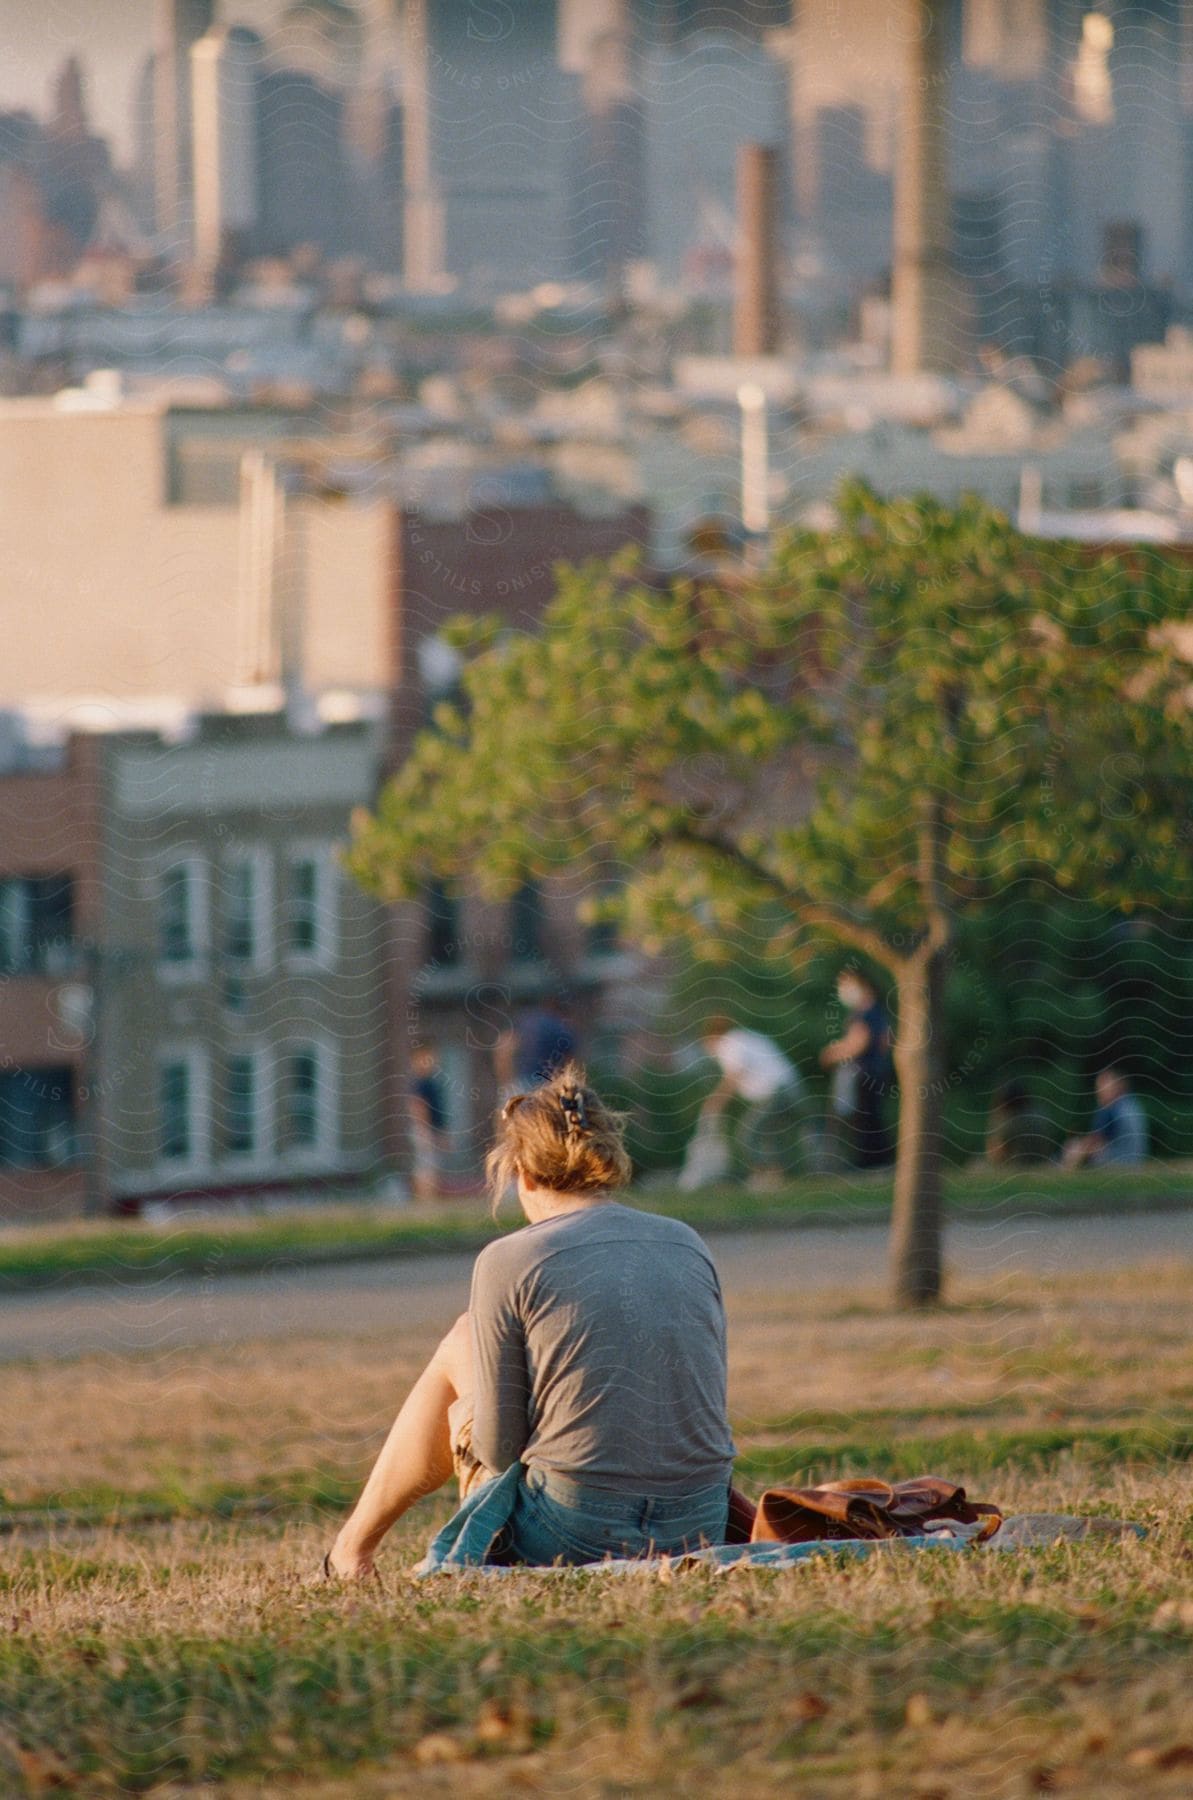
x: 416, y: 1457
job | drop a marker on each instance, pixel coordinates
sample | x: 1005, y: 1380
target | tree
x: 895, y: 723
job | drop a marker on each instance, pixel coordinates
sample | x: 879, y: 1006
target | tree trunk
x: 916, y: 1219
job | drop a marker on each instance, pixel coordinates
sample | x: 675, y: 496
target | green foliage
x: 779, y: 749
x: 893, y: 725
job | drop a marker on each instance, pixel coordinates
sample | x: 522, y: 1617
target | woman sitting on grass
x: 592, y: 1354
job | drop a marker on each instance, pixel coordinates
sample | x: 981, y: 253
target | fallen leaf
x: 701, y: 1693
x: 510, y: 1726
x: 808, y: 1706
x: 1179, y: 1756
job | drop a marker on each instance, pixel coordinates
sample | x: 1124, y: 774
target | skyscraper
x: 929, y: 314
x: 851, y: 53
x: 489, y: 118
x: 1007, y: 37
x: 177, y: 25
x: 68, y: 104
x: 324, y: 39
x: 225, y: 66
x: 600, y: 44
x: 306, y: 182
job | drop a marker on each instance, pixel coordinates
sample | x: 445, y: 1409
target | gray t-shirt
x: 599, y: 1352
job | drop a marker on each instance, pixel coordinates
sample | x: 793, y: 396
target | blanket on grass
x: 469, y: 1538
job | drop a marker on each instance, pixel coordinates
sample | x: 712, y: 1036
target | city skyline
x: 112, y: 38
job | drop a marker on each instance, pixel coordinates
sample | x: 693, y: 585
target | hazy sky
x: 111, y: 35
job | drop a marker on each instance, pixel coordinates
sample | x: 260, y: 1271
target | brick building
x: 191, y: 992
x: 460, y: 967
x: 193, y: 998
x: 243, y: 1028
x: 50, y: 907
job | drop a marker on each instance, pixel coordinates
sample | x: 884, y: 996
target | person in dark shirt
x: 542, y: 1042
x: 860, y: 1060
x: 428, y: 1122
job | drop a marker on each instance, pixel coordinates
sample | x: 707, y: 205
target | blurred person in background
x: 428, y: 1122
x: 862, y: 1071
x: 536, y: 1048
x: 1118, y: 1132
x: 754, y: 1069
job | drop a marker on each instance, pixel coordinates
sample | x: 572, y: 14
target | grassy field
x: 164, y: 1631
x: 212, y: 1246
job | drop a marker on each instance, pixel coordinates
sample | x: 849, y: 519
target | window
x: 241, y: 1131
x: 1086, y: 492
x: 310, y: 924
x: 244, y: 902
x: 443, y: 927
x: 240, y: 913
x: 526, y: 924
x: 309, y: 1097
x: 302, y: 1100
x: 15, y: 936
x: 183, y: 1107
x: 37, y: 1118
x: 176, y: 1111
x: 36, y: 922
x: 179, y: 913
x: 303, y: 917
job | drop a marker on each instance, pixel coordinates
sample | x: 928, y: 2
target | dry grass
x: 196, y: 1654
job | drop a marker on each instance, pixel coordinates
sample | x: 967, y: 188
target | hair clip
x: 574, y: 1109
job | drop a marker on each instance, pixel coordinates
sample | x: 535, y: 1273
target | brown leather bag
x: 860, y: 1507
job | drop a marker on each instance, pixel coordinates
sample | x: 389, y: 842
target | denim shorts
x: 556, y: 1519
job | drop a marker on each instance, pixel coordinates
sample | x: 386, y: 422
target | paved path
x: 360, y: 1298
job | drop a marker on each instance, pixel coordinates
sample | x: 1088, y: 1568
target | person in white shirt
x: 754, y: 1069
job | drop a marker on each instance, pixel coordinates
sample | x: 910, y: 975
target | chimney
x: 755, y: 298
x: 272, y: 562
x: 260, y: 542
x: 929, y: 314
